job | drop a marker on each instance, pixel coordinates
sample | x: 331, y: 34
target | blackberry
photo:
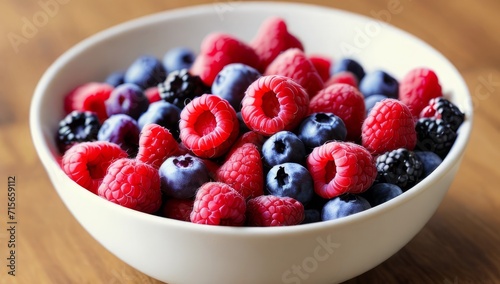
x: 400, y: 167
x: 444, y: 109
x: 77, y: 126
x: 180, y: 87
x: 434, y: 135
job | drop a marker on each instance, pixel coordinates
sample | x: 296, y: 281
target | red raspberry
x: 417, y: 88
x: 208, y: 126
x: 344, y: 101
x: 273, y: 38
x: 242, y: 170
x: 322, y: 64
x: 388, y: 126
x: 274, y: 103
x: 86, y: 162
x: 341, y: 167
x: 178, y: 209
x: 153, y: 94
x: 89, y: 97
x: 132, y: 184
x: 217, y: 203
x: 344, y: 77
x: 219, y: 50
x: 294, y: 64
x: 248, y: 137
x: 156, y: 144
x: 270, y: 210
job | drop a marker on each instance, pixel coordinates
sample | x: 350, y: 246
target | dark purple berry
x: 77, y: 127
x: 434, y: 135
x: 146, y: 71
x: 283, y: 147
x: 116, y: 78
x: 127, y: 99
x: 321, y: 127
x: 232, y: 82
x: 444, y: 109
x: 381, y: 83
x: 350, y: 65
x: 400, y: 167
x: 381, y: 192
x: 162, y: 113
x: 311, y: 216
x: 430, y: 161
x: 122, y: 130
x: 344, y: 205
x: 181, y: 176
x: 178, y: 58
x: 181, y: 87
x: 291, y: 180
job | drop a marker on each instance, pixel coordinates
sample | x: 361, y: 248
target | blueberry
x: 350, y: 65
x: 430, y: 161
x: 116, y: 78
x: 162, y: 113
x: 178, y: 58
x: 343, y: 206
x: 146, y: 71
x: 182, y: 175
x: 311, y: 216
x: 232, y: 82
x: 381, y: 83
x: 123, y: 130
x: 292, y: 180
x: 283, y: 147
x: 381, y: 192
x: 372, y: 100
x: 127, y: 99
x: 320, y: 127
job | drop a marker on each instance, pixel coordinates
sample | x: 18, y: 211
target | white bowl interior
x: 168, y: 249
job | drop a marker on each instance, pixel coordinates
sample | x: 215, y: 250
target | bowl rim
x: 50, y: 161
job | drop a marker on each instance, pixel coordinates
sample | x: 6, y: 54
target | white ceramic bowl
x: 181, y: 252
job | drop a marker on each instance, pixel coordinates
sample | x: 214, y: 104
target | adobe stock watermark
x: 364, y: 36
x: 484, y: 89
x: 302, y: 271
x: 223, y: 7
x: 30, y: 26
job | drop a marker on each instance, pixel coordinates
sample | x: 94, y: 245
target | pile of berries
x: 254, y: 133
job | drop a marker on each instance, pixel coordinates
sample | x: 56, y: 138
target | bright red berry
x: 89, y: 97
x: 341, y: 167
x: 86, y: 162
x: 344, y: 77
x: 217, y: 203
x: 208, y: 126
x: 153, y: 94
x: 346, y: 102
x: 388, y: 126
x: 270, y: 210
x: 132, y: 184
x: 273, y: 38
x: 242, y: 170
x: 219, y: 50
x: 156, y: 144
x: 322, y: 64
x: 178, y: 209
x: 248, y: 137
x: 293, y: 63
x: 417, y: 88
x: 274, y: 103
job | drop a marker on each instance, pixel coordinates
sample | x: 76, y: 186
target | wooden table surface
x: 460, y: 244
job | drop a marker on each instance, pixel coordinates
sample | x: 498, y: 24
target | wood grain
x: 460, y: 244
